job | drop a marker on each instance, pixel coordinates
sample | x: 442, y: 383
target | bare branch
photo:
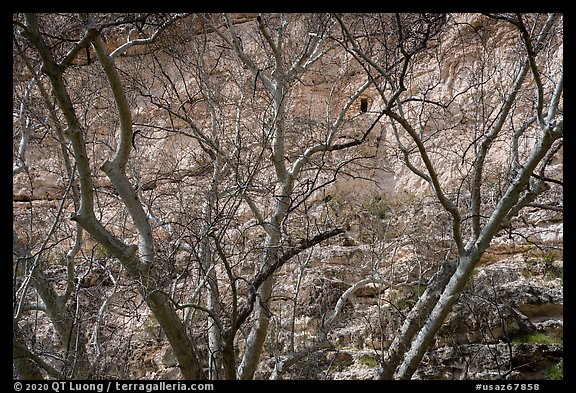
x: 280, y: 261
x: 146, y: 41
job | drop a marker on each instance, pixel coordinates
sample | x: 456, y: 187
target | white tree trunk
x: 259, y: 329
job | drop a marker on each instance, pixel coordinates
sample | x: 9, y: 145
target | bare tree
x: 241, y: 164
x: 190, y: 149
x: 138, y: 259
x: 418, y: 114
x: 234, y: 155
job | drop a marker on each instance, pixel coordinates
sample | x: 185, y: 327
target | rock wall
x: 507, y: 325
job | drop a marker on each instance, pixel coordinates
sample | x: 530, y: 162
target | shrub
x: 377, y: 206
x: 536, y: 338
x: 369, y: 361
x: 557, y: 371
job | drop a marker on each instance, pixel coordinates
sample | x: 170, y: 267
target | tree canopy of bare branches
x: 187, y: 155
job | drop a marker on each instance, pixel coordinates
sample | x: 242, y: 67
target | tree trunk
x: 437, y: 316
x: 257, y: 336
x: 24, y: 366
x: 69, y: 333
x: 175, y: 332
x: 415, y: 320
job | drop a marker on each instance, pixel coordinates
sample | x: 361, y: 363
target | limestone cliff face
x: 508, y: 323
